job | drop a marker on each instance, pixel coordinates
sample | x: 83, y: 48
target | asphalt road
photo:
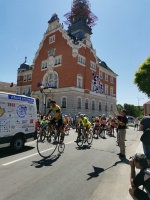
x: 90, y: 173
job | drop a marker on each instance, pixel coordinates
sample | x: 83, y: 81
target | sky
x: 121, y: 37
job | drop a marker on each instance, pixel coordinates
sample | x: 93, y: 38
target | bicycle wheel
x: 61, y: 147
x: 90, y: 138
x: 41, y: 135
x: 66, y: 132
x: 96, y: 134
x: 47, y: 146
x: 80, y: 140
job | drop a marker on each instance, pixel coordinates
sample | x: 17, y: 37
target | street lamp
x: 139, y: 100
x: 45, y: 96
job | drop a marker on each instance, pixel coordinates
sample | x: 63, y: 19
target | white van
x: 18, y: 120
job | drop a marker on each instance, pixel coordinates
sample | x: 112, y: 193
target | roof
x: 25, y: 65
x: 147, y: 102
x: 5, y: 87
x: 104, y: 65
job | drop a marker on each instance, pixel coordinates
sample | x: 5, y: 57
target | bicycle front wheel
x: 47, y: 146
x: 89, y: 138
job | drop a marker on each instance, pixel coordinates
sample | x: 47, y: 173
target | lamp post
x: 139, y: 100
x: 45, y: 96
x: 106, y: 105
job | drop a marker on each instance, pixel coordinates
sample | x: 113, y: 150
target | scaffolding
x: 81, y: 8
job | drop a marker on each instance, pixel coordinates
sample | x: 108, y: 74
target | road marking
x: 14, y: 161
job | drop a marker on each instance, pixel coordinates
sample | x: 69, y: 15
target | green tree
x: 142, y: 77
x: 119, y: 108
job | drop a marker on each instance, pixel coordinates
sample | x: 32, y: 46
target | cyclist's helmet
x: 52, y: 101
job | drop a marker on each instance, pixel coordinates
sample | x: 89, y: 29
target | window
x: 111, y: 79
x: 44, y: 65
x: 101, y: 74
x: 79, y: 102
x: 79, y: 81
x: 111, y: 91
x: 64, y: 102
x: 111, y: 106
x: 29, y: 77
x: 86, y: 104
x: 52, y: 39
x: 100, y: 106
x: 92, y: 65
x: 106, y: 77
x: 106, y: 89
x: 81, y: 60
x: 24, y: 78
x: 51, y: 52
x: 51, y: 80
x: 58, y: 60
x: 93, y: 105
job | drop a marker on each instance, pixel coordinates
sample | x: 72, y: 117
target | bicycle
x: 47, y: 143
x: 84, y: 137
x: 66, y: 129
x: 102, y: 132
x: 96, y: 132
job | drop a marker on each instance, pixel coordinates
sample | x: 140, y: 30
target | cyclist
x: 96, y: 124
x: 56, y: 118
x: 66, y: 122
x: 86, y: 123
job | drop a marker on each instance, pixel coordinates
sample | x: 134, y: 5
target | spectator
x: 144, y: 124
x: 136, y: 123
x: 139, y: 161
x: 122, y: 121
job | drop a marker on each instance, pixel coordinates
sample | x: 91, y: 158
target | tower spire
x: 80, y: 19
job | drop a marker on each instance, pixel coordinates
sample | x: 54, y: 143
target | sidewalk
x: 115, y: 182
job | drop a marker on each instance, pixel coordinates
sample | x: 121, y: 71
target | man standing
x: 145, y: 124
x: 122, y: 121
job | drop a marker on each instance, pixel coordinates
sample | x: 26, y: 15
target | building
x: 8, y: 87
x: 65, y: 66
x: 147, y: 108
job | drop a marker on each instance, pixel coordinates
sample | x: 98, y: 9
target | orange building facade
x: 62, y: 70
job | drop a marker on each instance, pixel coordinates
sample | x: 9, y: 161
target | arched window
x: 86, y: 104
x: 79, y: 102
x: 64, y: 102
x: 100, y: 106
x: 93, y: 105
x: 51, y: 80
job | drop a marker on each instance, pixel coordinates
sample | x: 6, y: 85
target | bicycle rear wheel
x: 80, y: 140
x: 47, y: 146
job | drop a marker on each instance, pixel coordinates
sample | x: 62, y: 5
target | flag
x: 39, y: 84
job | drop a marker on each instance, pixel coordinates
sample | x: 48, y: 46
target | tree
x: 119, y: 108
x: 142, y: 77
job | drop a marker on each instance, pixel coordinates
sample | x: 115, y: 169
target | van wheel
x: 17, y: 143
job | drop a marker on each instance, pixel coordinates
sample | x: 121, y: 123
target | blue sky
x: 121, y: 37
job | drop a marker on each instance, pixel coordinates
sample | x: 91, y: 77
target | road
x: 90, y: 173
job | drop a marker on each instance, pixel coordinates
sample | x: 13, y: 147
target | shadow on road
x: 7, y: 151
x: 45, y: 162
x: 98, y: 170
x: 84, y: 147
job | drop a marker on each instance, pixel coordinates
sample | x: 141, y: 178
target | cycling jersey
x: 55, y: 111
